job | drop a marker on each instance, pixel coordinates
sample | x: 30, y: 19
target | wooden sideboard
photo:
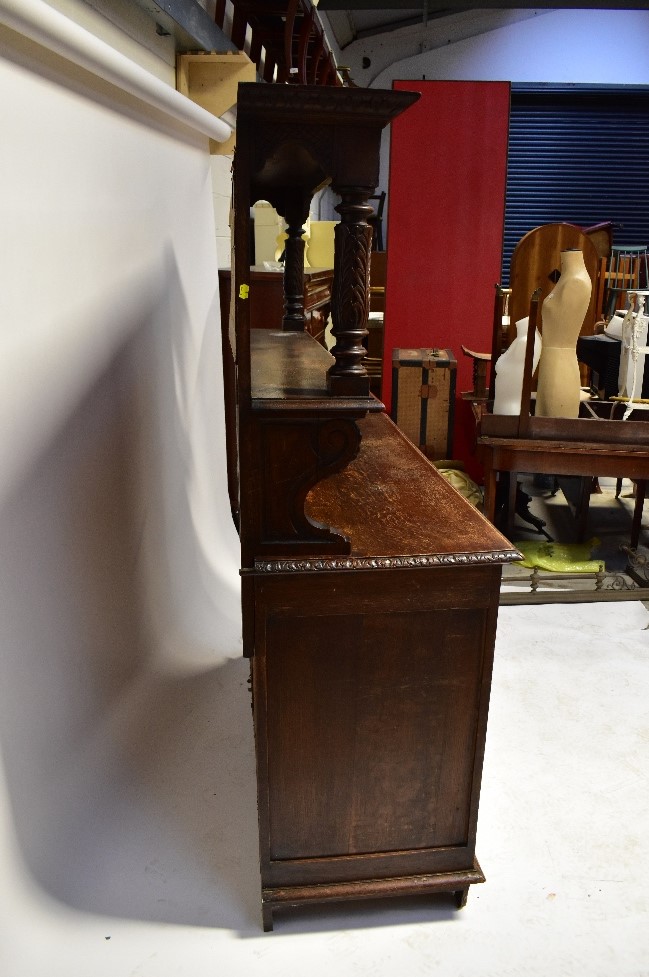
x: 267, y: 298
x: 369, y: 585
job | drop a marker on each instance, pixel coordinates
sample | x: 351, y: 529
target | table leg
x: 511, y: 505
x: 583, y: 504
x: 641, y: 487
x: 489, y: 493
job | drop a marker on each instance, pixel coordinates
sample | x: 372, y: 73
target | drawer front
x: 315, y: 295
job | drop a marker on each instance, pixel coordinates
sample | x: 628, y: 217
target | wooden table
x: 561, y: 446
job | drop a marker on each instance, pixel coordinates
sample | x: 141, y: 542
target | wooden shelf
x: 289, y: 369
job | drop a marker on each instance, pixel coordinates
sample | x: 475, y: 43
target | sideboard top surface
x: 392, y: 502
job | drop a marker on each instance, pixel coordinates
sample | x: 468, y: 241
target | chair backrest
x: 627, y: 267
x: 376, y: 220
x: 380, y: 198
x: 536, y: 261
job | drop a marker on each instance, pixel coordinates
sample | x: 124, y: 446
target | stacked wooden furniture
x: 285, y: 38
x: 370, y: 587
x: 585, y: 446
x: 267, y: 298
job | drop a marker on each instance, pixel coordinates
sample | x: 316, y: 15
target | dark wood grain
x: 289, y: 144
x: 332, y: 792
x: 584, y: 430
x: 370, y: 747
x: 290, y: 367
x: 351, y: 292
x: 376, y: 888
x: 414, y: 510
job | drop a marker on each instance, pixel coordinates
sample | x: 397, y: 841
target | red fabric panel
x: 448, y: 169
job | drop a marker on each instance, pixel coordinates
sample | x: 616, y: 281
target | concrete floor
x: 155, y: 874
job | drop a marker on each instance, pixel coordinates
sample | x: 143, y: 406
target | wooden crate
x: 423, y: 398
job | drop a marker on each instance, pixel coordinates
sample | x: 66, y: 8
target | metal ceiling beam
x: 188, y: 23
x: 396, y: 25
x: 365, y: 5
x: 456, y: 6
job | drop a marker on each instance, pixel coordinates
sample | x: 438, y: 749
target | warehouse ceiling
x: 358, y: 20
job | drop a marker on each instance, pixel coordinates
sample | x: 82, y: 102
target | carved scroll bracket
x: 351, y: 293
x: 297, y: 454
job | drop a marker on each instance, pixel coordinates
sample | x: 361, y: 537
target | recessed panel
x: 371, y: 731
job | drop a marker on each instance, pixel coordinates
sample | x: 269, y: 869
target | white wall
x: 129, y: 29
x: 569, y: 46
x: 118, y: 557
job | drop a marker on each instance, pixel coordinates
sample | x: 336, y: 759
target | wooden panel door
x: 409, y: 682
x: 370, y: 717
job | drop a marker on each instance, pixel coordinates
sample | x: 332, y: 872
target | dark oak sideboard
x: 371, y: 678
x: 369, y: 585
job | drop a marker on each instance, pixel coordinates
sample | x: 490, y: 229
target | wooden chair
x: 627, y: 267
x: 376, y: 221
x: 484, y: 376
x: 535, y: 264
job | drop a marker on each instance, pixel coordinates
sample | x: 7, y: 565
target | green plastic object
x: 464, y: 485
x: 559, y: 557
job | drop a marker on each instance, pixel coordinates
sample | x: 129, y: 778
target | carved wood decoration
x: 351, y: 293
x: 286, y: 40
x: 296, y: 454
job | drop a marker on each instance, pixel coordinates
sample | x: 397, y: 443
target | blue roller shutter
x: 577, y: 155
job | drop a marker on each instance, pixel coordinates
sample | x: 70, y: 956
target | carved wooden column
x: 351, y: 293
x: 295, y: 216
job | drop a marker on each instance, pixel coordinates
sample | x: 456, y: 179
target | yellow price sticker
x: 243, y: 291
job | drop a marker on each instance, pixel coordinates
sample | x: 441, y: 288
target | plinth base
x: 417, y: 885
x: 351, y: 385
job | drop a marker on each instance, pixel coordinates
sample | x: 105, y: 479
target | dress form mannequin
x: 563, y: 313
x: 509, y: 370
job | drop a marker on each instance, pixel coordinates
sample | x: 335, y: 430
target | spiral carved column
x: 351, y: 293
